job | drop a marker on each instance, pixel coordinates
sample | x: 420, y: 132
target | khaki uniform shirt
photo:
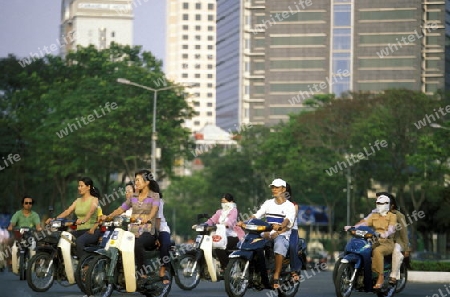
x: 381, y: 223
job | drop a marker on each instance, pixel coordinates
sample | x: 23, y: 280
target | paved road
x: 318, y: 285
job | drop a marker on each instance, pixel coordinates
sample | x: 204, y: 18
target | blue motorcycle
x: 252, y: 265
x: 355, y: 268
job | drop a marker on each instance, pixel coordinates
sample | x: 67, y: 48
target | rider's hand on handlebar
x: 347, y: 227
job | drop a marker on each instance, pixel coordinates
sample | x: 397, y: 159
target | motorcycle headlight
x: 23, y: 230
x: 56, y: 224
x: 118, y: 221
x: 201, y: 228
x: 360, y: 233
x: 254, y: 227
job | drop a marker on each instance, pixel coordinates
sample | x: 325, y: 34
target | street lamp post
x: 435, y: 125
x: 155, y: 98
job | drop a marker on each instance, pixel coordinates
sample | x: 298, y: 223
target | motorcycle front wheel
x: 185, y: 277
x: 401, y: 283
x: 343, y: 284
x: 236, y: 280
x: 96, y: 279
x: 81, y: 271
x: 22, y: 266
x: 40, y: 273
x: 288, y: 287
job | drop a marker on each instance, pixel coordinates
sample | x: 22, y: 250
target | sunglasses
x: 31, y: 203
x: 380, y: 203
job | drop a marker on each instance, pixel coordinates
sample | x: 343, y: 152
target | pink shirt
x: 230, y: 222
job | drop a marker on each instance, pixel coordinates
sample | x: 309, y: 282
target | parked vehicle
x: 201, y: 262
x: 22, y: 251
x: 54, y: 258
x: 252, y: 265
x: 114, y: 267
x: 354, y: 269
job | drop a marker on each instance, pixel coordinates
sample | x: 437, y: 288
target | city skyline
x: 23, y: 36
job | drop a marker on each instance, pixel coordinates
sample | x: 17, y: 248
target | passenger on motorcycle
x: 163, y: 241
x: 384, y: 222
x: 401, y: 241
x: 144, y: 208
x: 281, y: 214
x: 293, y: 240
x: 227, y: 215
x: 85, y: 208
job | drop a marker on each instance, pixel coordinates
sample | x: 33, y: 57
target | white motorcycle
x: 114, y: 267
x: 54, y: 258
x: 22, y: 250
x: 201, y: 262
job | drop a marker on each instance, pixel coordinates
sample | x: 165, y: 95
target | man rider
x: 281, y: 214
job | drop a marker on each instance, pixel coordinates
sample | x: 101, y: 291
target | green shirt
x: 30, y: 221
x: 82, y: 208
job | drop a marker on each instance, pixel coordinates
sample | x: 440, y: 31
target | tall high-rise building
x: 284, y: 52
x: 94, y: 22
x: 191, y: 55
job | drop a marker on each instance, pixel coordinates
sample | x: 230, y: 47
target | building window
x: 198, y: 6
x: 197, y: 56
x: 210, y: 66
x: 185, y: 5
x: 210, y: 76
x: 185, y: 46
x: 197, y: 75
x: 198, y: 37
x: 184, y: 75
x: 198, y: 46
x: 196, y: 95
x: 209, y: 95
x: 210, y: 38
x: 196, y: 104
x: 210, y: 6
x: 185, y: 65
x: 196, y: 123
x: 209, y: 113
x: 210, y: 17
x: 210, y: 57
x: 185, y: 27
x: 198, y: 17
x: 185, y: 56
x: 210, y: 28
x: 185, y: 37
x: 210, y: 47
x: 185, y: 17
x: 210, y: 85
x: 113, y: 34
x: 197, y: 66
x: 209, y: 104
x: 198, y: 28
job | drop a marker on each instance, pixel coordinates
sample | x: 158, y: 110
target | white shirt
x: 163, y: 227
x: 276, y: 213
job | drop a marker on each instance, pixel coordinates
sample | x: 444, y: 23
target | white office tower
x: 86, y: 22
x: 191, y: 55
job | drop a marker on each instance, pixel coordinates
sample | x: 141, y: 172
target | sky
x: 28, y: 25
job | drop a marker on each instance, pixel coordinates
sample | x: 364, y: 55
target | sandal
x: 295, y: 277
x: 392, y: 280
x: 165, y: 280
x: 276, y: 284
x: 377, y: 286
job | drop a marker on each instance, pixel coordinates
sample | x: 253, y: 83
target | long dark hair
x: 88, y: 182
x: 148, y: 176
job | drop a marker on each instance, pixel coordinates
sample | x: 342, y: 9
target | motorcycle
x: 114, y: 267
x: 354, y: 270
x: 23, y: 249
x: 201, y: 262
x: 54, y: 258
x: 252, y: 265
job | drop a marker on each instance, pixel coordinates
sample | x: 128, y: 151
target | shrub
x: 430, y: 266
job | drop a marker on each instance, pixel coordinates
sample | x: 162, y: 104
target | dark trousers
x: 223, y: 254
x: 145, y: 241
x: 164, y: 248
x: 83, y: 238
x: 293, y: 251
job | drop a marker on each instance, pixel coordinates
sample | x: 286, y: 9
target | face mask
x: 383, y: 209
x: 227, y: 206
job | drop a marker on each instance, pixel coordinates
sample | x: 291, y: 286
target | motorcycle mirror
x: 202, y: 216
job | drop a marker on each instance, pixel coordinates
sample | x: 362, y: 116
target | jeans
x: 144, y: 241
x: 83, y: 238
x: 293, y: 251
x: 164, y: 248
